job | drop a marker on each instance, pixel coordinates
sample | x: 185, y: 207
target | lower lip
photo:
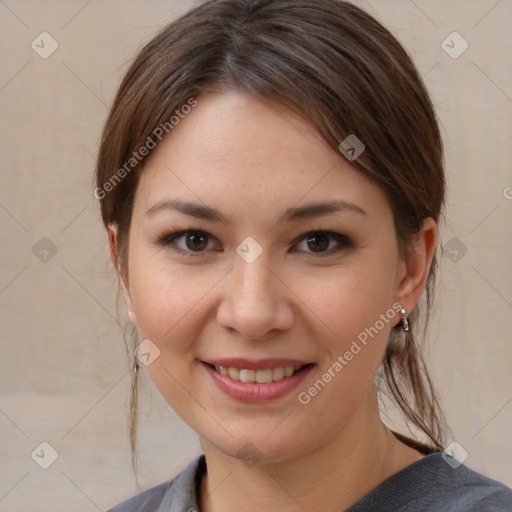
x: 253, y: 392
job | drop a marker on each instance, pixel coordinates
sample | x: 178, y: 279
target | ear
x: 123, y: 280
x: 415, y: 269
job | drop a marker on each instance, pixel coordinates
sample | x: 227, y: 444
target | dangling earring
x: 135, y: 338
x: 405, y: 322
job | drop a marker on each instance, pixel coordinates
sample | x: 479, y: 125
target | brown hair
x: 342, y: 71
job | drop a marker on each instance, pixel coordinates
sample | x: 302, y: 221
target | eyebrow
x: 201, y: 211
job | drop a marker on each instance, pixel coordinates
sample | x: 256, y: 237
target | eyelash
x: 169, y: 239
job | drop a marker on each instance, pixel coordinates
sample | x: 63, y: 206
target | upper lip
x: 252, y: 364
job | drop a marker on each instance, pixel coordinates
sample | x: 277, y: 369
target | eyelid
x: 168, y: 239
x: 178, y: 233
x: 343, y: 241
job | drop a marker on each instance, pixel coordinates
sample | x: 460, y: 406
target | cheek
x: 161, y: 305
x: 359, y: 310
x: 170, y: 312
x: 347, y: 302
x: 168, y: 299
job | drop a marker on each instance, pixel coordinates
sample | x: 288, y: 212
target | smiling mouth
x: 264, y: 376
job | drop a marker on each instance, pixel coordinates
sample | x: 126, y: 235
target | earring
x: 405, y: 322
x: 135, y: 339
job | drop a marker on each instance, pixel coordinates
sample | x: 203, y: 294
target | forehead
x: 234, y: 150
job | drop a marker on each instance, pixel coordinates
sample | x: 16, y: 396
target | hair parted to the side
x: 340, y: 70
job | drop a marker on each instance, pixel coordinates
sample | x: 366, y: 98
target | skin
x: 251, y: 162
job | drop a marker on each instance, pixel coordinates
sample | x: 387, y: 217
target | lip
x: 252, y: 392
x: 261, y: 364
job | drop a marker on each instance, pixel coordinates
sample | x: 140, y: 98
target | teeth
x: 278, y: 373
x: 264, y: 376
x: 260, y: 376
x: 248, y: 375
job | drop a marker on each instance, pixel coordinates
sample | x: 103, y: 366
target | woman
x: 271, y: 179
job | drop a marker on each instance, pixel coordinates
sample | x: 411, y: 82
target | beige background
x: 63, y: 371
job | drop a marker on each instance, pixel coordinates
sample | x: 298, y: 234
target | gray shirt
x: 434, y: 483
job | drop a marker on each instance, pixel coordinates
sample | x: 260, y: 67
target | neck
x: 334, y: 476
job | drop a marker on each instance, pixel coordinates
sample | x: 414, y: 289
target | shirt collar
x: 186, y: 485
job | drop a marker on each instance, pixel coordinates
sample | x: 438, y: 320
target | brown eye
x: 187, y: 242
x: 318, y: 242
x: 196, y: 241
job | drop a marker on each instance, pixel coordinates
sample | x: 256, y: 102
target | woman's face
x: 291, y: 259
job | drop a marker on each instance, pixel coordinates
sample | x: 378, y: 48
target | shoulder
x: 474, y: 492
x: 146, y: 501
x: 438, y: 483
x: 471, y: 491
x: 176, y: 495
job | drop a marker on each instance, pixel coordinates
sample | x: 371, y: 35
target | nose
x: 256, y: 301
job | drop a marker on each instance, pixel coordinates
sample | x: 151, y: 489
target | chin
x: 261, y: 449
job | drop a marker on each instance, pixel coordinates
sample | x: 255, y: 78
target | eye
x: 320, y: 242
x: 193, y: 242
x: 186, y: 241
